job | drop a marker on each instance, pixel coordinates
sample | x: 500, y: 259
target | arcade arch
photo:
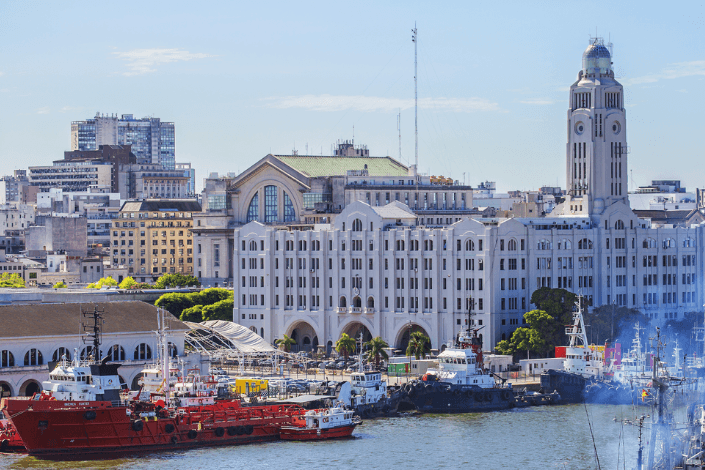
x: 29, y: 388
x: 305, y: 336
x: 402, y: 340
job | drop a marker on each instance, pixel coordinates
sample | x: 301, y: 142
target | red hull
x: 56, y: 429
x: 290, y: 433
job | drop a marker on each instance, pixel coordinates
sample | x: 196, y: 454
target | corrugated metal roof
x: 394, y: 210
x: 18, y: 321
x: 315, y: 166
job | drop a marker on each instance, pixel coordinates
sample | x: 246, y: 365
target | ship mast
x: 93, y: 332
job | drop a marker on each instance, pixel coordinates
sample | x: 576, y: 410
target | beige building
x: 153, y: 237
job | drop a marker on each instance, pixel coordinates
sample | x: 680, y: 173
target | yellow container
x: 247, y: 386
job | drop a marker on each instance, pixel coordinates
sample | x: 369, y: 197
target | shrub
x: 11, y: 280
x: 106, y: 281
x: 128, y: 283
x: 176, y: 280
x: 60, y: 285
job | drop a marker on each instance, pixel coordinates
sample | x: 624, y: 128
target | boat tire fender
x: 137, y: 425
x: 89, y: 415
x: 169, y: 428
x: 232, y: 431
x: 4, y: 445
x: 192, y: 434
x: 174, y: 440
x: 488, y: 396
x: 219, y: 432
x: 468, y: 393
x: 240, y: 430
x: 506, y: 395
x: 249, y: 429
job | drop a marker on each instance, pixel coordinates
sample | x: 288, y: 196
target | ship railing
x: 572, y: 330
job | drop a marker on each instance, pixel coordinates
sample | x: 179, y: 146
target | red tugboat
x: 82, y: 412
x: 317, y: 425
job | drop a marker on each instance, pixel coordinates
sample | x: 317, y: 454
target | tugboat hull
x: 438, y: 397
x: 291, y: 433
x: 571, y: 387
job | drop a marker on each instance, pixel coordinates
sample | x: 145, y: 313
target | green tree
x: 222, y: 310
x: 60, y: 285
x: 285, y: 343
x: 11, y: 280
x: 419, y: 344
x: 175, y: 303
x: 539, y: 337
x: 599, y: 323
x: 176, y: 280
x: 192, y: 314
x: 128, y: 283
x: 558, y: 303
x: 105, y: 281
x: 345, y: 345
x: 375, y: 350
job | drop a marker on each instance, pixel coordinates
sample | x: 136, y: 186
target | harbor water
x: 530, y: 438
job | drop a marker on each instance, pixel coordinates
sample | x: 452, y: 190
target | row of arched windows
x: 34, y: 357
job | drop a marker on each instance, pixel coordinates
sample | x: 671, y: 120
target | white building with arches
x: 33, y: 335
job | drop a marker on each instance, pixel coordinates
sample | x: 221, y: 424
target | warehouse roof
x: 315, y: 166
x: 162, y: 205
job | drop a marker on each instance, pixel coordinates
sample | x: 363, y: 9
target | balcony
x: 356, y: 310
x: 342, y: 310
x: 370, y: 310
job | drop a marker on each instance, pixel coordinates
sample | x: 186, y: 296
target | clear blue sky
x: 241, y: 79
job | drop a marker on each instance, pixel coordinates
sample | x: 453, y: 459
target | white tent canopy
x: 244, y: 341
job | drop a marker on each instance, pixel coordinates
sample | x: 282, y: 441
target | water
x: 530, y: 438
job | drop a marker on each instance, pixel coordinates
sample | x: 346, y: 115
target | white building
x: 375, y: 270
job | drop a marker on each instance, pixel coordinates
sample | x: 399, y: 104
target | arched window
x: 357, y: 225
x: 342, y: 303
x: 270, y: 204
x: 688, y: 243
x: 669, y: 243
x: 544, y: 245
x: 60, y: 353
x: 7, y: 359
x: 33, y: 358
x: 512, y: 245
x: 585, y: 244
x: 173, y: 350
x: 469, y: 245
x: 289, y: 212
x: 567, y: 245
x: 261, y: 332
x: 143, y: 351
x: 649, y: 243
x: 253, y: 329
x: 116, y: 353
x: 619, y: 225
x: 253, y: 245
x: 87, y: 353
x: 370, y: 302
x: 253, y: 210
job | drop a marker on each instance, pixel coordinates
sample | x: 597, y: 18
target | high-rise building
x: 151, y: 139
x: 191, y: 174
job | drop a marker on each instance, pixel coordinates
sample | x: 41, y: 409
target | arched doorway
x: 5, y: 390
x: 305, y: 337
x: 402, y: 341
x: 354, y: 330
x: 29, y: 388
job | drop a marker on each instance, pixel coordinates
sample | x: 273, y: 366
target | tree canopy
x: 419, y: 344
x: 105, y: 281
x: 539, y: 337
x: 176, y: 280
x: 285, y: 343
x: 198, y: 306
x: 345, y: 345
x: 11, y: 280
x: 376, y: 350
x: 598, y: 323
x: 128, y: 283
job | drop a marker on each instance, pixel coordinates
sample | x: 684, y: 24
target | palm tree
x: 418, y: 345
x: 375, y: 349
x: 345, y: 345
x: 285, y: 343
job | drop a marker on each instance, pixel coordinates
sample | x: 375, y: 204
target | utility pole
x: 414, y: 39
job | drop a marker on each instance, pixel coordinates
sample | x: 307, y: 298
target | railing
x: 569, y: 330
x: 355, y: 309
x: 342, y: 310
x: 370, y: 310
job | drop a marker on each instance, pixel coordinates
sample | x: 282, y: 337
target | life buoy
x: 192, y: 434
x: 137, y: 425
x: 219, y: 432
x: 110, y: 381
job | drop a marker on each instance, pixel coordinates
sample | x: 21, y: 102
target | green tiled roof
x: 315, y: 166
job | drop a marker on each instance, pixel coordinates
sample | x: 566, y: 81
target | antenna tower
x: 399, y: 129
x: 414, y: 39
x: 93, y: 332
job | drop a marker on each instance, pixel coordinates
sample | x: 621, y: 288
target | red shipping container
x: 560, y: 351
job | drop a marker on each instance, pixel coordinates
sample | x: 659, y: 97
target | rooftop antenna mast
x: 399, y: 130
x: 414, y: 39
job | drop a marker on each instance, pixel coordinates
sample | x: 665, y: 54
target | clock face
x: 579, y: 127
x: 616, y: 127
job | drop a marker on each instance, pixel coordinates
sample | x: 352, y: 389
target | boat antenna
x: 93, y: 332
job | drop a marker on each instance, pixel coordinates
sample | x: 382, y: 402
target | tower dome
x: 597, y: 56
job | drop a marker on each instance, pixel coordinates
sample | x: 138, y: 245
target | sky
x: 244, y: 79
